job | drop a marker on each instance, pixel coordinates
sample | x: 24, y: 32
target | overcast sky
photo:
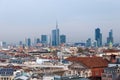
x: 76, y: 18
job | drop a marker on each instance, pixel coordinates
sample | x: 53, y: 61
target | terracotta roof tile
x: 111, y: 51
x: 91, y: 62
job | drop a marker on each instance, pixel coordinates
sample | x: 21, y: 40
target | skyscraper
x: 36, y: 41
x: 28, y: 42
x: 20, y: 43
x: 44, y: 39
x: 88, y: 42
x: 55, y: 36
x: 62, y: 39
x: 110, y: 37
x: 98, y: 37
x: 3, y: 44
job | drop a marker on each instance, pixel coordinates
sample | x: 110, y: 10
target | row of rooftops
x: 90, y: 62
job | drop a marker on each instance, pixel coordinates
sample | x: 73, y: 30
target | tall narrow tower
x: 55, y: 36
x: 56, y: 25
x: 98, y: 37
x: 110, y: 38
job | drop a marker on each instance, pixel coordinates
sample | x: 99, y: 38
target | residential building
x: 16, y: 60
x: 111, y: 73
x: 115, y: 63
x: 111, y: 54
x: 6, y: 73
x: 21, y: 75
x: 90, y: 67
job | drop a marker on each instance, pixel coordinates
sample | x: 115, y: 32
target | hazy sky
x: 76, y: 18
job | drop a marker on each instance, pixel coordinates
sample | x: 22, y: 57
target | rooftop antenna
x: 56, y: 24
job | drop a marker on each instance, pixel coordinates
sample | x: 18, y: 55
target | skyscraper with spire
x: 55, y: 36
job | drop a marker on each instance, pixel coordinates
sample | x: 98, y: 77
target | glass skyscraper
x: 36, y: 41
x: 110, y: 37
x: 98, y: 37
x: 44, y: 39
x: 62, y: 39
x: 88, y: 42
x: 55, y: 36
x: 28, y: 42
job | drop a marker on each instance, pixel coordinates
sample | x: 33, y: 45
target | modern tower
x: 110, y: 37
x: 89, y: 42
x: 55, y: 36
x: 3, y: 44
x: 28, y: 42
x: 20, y: 43
x: 44, y: 39
x: 62, y: 39
x: 98, y: 37
x: 36, y: 41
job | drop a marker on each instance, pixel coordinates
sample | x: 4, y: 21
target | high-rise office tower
x: 28, y: 42
x: 88, y: 43
x: 36, y: 41
x: 55, y: 36
x: 50, y: 40
x: 110, y: 37
x: 94, y: 43
x: 98, y: 37
x: 44, y: 39
x: 3, y: 45
x: 20, y: 43
x: 62, y: 39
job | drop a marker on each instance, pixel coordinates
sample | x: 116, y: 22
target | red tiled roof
x: 91, y: 62
x: 111, y: 51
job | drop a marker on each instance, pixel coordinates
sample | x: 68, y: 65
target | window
x: 7, y: 78
x: 4, y: 78
x: 1, y: 78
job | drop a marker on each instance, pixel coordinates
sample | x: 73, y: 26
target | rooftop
x: 111, y: 51
x: 91, y: 62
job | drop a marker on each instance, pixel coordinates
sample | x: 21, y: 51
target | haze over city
x: 76, y: 18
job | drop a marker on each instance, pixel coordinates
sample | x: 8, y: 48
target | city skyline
x: 28, y: 18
